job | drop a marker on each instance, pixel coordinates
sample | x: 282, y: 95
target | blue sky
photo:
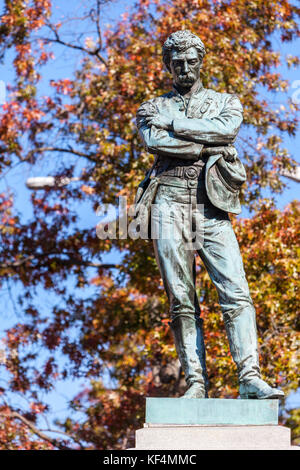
x: 63, y: 66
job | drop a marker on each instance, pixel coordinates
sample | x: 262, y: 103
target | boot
x: 240, y: 326
x: 189, y: 343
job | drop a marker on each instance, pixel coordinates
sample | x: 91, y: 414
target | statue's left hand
x: 161, y: 121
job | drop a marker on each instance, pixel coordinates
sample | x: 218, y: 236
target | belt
x: 187, y: 170
x: 182, y: 169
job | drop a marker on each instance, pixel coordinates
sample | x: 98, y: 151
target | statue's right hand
x: 230, y: 153
x: 160, y: 120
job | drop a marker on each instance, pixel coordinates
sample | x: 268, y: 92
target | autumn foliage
x: 108, y: 323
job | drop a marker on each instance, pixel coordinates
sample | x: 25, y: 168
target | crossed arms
x: 185, y: 138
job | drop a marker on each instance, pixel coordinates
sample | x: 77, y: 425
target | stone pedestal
x: 212, y: 424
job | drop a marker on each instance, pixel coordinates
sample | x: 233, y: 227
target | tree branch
x: 60, y: 149
x: 15, y: 415
x: 256, y: 150
x: 64, y: 434
x: 97, y: 21
x: 58, y: 40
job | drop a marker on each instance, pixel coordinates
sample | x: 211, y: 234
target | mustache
x: 186, y: 77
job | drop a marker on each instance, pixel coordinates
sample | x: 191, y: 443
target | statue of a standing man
x: 191, y: 129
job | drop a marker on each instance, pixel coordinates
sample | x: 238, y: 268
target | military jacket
x: 207, y: 119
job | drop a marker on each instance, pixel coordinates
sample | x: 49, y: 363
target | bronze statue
x: 191, y: 131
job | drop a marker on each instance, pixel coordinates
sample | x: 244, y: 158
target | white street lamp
x: 295, y: 175
x: 41, y: 182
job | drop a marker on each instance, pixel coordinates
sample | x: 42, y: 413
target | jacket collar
x: 196, y: 92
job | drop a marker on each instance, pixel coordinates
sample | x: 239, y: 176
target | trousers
x: 185, y: 223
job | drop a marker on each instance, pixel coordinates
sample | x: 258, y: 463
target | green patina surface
x: 198, y: 175
x: 211, y: 411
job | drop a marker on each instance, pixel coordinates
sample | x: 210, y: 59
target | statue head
x: 183, y: 54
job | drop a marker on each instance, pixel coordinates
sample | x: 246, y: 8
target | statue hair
x: 180, y: 41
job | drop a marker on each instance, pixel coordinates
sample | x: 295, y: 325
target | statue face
x: 185, y: 67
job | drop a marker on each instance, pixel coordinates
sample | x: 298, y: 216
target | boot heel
x: 248, y: 396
